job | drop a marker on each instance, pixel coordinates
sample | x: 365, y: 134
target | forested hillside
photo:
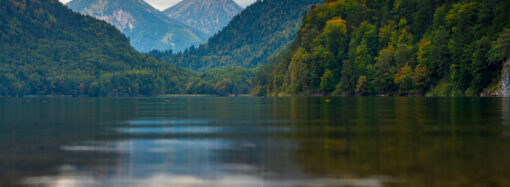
x: 46, y: 49
x: 253, y: 36
x: 394, y: 47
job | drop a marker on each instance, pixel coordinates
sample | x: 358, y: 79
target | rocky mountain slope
x: 147, y: 28
x: 207, y: 16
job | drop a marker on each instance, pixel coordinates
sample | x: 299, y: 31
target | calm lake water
x: 252, y: 141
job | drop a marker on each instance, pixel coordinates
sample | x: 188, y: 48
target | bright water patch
x: 175, y: 122
x: 204, y: 130
x: 142, y: 122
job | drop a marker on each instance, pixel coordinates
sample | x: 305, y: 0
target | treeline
x: 223, y: 82
x: 256, y: 34
x: 46, y: 49
x: 394, y: 47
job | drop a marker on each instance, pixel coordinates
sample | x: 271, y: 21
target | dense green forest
x: 256, y: 34
x: 394, y: 47
x: 223, y: 82
x: 46, y: 49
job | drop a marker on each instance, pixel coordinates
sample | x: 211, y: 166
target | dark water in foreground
x: 248, y: 141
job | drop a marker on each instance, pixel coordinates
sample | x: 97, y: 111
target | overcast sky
x: 163, y: 4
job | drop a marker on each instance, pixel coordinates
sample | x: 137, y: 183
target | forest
x: 394, y: 47
x: 223, y: 82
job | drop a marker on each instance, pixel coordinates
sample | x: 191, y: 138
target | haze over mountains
x: 207, y: 16
x: 147, y: 27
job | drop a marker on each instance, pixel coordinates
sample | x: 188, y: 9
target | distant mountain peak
x: 147, y: 28
x: 207, y: 16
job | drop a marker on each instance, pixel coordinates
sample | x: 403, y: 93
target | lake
x: 254, y: 141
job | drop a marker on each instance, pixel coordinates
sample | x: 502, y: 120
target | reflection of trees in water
x: 416, y: 159
x: 269, y: 158
x: 421, y: 141
x: 505, y: 109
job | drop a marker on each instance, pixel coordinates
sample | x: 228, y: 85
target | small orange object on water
x: 328, y: 100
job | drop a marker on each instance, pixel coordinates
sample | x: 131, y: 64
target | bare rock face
x: 147, y: 28
x: 505, y: 84
x: 120, y: 19
x: 207, y: 16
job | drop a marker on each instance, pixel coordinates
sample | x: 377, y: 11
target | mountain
x: 207, y: 16
x: 47, y: 49
x: 147, y: 28
x: 410, y: 47
x: 251, y: 38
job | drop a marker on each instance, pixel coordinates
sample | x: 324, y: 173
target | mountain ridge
x: 207, y: 16
x: 147, y: 28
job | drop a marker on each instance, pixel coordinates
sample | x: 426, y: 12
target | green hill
x: 394, y: 47
x: 46, y: 49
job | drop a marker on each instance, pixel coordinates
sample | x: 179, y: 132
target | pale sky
x: 164, y: 4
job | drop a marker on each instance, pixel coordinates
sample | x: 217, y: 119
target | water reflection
x: 207, y: 141
x: 192, y: 181
x: 189, y: 122
x: 506, y: 110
